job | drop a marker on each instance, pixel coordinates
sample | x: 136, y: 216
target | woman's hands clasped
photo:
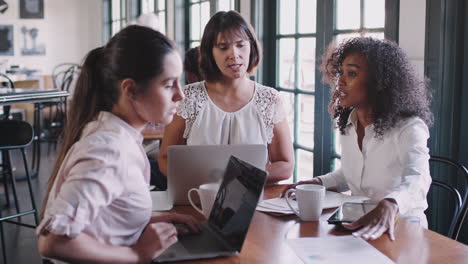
x: 377, y: 221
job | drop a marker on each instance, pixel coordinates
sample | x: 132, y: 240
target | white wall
x: 70, y: 29
x: 413, y: 30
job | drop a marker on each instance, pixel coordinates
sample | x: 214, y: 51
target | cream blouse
x: 207, y: 124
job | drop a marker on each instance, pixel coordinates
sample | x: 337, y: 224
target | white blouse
x: 102, y: 186
x: 207, y: 124
x: 395, y: 166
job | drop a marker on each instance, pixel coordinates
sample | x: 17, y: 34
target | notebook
x: 190, y: 166
x: 230, y: 217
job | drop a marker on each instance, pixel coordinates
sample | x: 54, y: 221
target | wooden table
x: 266, y: 240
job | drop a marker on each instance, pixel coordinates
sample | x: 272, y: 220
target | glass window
x: 226, y: 5
x: 296, y: 41
x: 161, y: 11
x: 199, y: 11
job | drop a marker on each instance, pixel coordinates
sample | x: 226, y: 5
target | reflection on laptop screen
x: 236, y: 201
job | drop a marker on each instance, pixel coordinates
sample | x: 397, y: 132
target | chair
x: 63, y: 76
x: 15, y: 134
x: 456, y: 188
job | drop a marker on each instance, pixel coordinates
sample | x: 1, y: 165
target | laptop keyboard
x: 203, y: 242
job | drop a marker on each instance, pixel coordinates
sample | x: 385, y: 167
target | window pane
x: 194, y: 1
x: 307, y: 16
x: 123, y: 7
x: 225, y: 5
x: 341, y: 37
x: 147, y: 6
x: 161, y: 4
x: 195, y: 22
x: 194, y: 44
x: 162, y: 21
x: 115, y: 9
x: 305, y: 165
x: 288, y: 103
x: 374, y: 13
x: 286, y: 63
x: 377, y: 35
x: 307, y: 64
x: 115, y: 27
x: 348, y: 14
x: 306, y: 120
x: 205, y: 16
x: 287, y: 17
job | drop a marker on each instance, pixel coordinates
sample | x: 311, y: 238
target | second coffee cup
x: 207, y: 193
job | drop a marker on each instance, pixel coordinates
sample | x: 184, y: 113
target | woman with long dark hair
x: 381, y: 109
x: 98, y: 206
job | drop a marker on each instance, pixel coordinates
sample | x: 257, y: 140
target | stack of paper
x: 278, y: 206
x: 338, y: 249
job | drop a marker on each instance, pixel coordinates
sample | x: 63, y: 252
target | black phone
x: 350, y: 212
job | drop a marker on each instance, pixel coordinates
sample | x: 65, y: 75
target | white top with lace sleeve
x: 207, y: 124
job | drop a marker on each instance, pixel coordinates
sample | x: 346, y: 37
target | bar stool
x: 15, y: 134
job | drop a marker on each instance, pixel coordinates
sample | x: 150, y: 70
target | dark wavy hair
x: 395, y: 90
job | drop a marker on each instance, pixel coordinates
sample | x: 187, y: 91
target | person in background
x: 98, y: 206
x: 381, y: 109
x: 228, y: 107
x: 191, y: 68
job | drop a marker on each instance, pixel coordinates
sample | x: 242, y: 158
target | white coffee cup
x: 207, y: 193
x: 309, y: 199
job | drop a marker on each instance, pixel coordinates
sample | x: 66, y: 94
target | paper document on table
x: 278, y: 206
x: 337, y: 249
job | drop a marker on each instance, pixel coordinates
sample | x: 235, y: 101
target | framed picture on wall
x: 31, y: 8
x: 32, y: 41
x: 6, y: 40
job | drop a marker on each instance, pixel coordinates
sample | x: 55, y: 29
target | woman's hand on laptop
x: 292, y: 186
x: 156, y: 238
x: 184, y: 224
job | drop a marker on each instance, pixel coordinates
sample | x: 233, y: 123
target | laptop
x: 190, y: 166
x: 230, y: 217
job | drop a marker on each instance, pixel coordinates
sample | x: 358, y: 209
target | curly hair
x: 395, y: 90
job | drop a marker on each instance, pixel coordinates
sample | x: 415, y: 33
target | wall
x: 70, y: 28
x: 412, y: 31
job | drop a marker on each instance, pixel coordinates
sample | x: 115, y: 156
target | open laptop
x: 228, y: 224
x: 190, y: 166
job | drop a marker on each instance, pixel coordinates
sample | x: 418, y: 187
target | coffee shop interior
x: 43, y: 44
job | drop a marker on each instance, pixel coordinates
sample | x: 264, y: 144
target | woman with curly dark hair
x: 381, y: 108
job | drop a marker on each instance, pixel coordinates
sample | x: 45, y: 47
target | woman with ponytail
x: 98, y: 207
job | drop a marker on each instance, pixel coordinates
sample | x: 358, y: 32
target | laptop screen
x: 236, y: 201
